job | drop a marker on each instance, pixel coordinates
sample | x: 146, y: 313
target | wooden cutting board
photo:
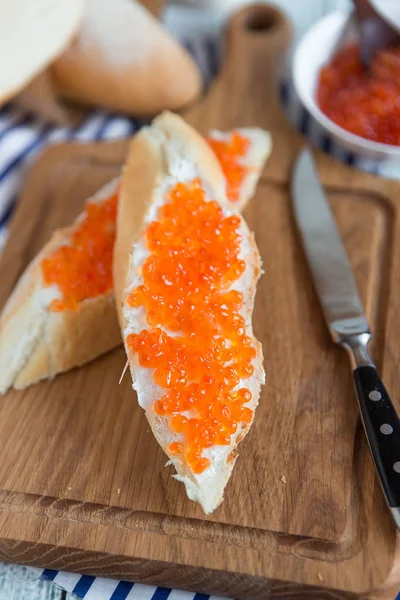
x: 154, y: 6
x: 83, y: 483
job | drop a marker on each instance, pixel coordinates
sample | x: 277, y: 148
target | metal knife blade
x: 344, y: 314
x: 332, y: 274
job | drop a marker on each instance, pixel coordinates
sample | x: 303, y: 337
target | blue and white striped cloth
x: 22, y: 138
x: 99, y: 588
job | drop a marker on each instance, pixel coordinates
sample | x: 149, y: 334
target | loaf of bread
x: 125, y: 60
x: 32, y: 34
x: 181, y: 307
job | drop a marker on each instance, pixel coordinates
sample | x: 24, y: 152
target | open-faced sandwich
x: 185, y: 274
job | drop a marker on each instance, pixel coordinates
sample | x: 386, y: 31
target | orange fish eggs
x: 229, y: 152
x: 83, y: 268
x: 194, y: 260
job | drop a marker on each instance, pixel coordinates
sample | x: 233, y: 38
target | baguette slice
x: 253, y: 160
x: 160, y: 156
x: 36, y: 342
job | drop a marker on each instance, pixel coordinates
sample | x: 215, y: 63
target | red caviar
x: 83, y: 268
x: 187, y: 278
x: 229, y: 152
x: 364, y: 102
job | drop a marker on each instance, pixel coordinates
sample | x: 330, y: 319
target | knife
x: 344, y: 314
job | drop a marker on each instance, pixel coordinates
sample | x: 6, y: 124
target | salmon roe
x: 229, y: 152
x: 193, y: 262
x: 82, y: 269
x: 364, y: 102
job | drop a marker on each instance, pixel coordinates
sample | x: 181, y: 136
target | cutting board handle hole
x: 262, y: 20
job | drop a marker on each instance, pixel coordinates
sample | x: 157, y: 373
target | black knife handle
x: 382, y: 426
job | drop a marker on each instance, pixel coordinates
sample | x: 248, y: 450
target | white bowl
x: 314, y: 50
x: 389, y: 10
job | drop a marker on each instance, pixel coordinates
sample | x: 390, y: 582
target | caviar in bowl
x: 350, y: 107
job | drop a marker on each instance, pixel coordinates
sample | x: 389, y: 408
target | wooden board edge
x: 176, y: 576
x: 53, y: 539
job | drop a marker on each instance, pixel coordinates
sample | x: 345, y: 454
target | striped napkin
x: 99, y: 588
x: 22, y: 138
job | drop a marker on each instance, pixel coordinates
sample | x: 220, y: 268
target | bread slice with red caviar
x: 36, y: 341
x: 185, y: 274
x: 242, y: 154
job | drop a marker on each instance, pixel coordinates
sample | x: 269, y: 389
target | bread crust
x: 148, y: 73
x: 148, y: 169
x: 68, y: 340
x: 37, y: 343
